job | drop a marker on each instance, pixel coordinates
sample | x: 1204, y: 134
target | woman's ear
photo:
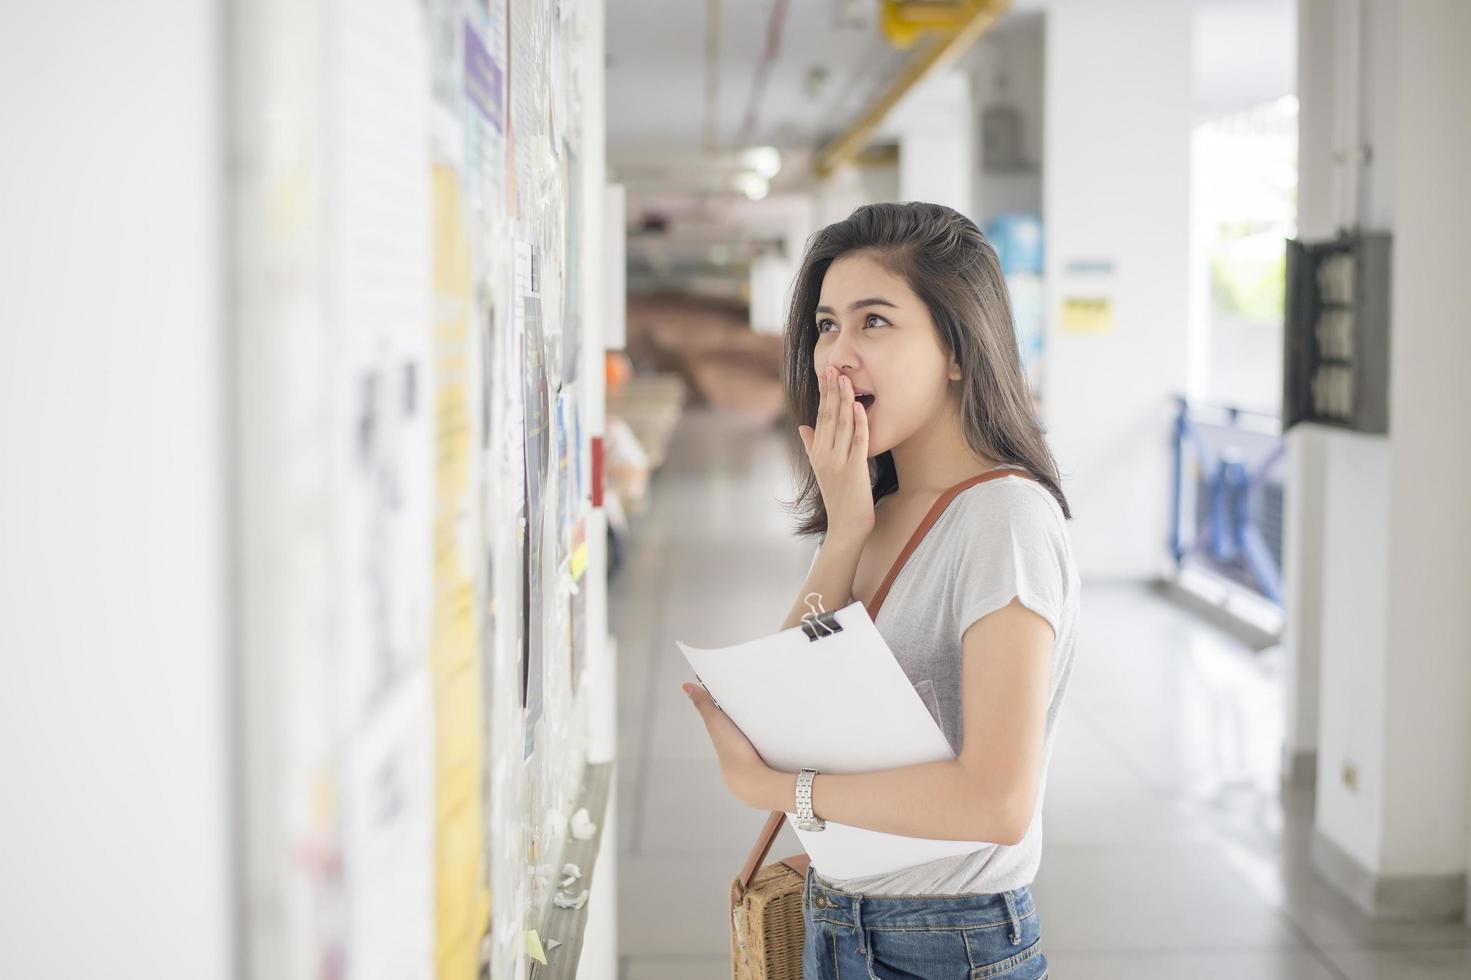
x: 955, y: 374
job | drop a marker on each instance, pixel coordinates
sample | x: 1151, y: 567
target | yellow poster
x: 1087, y: 314
x: 462, y: 904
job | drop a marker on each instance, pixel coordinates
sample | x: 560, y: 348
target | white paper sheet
x: 839, y: 704
x: 388, y: 838
x: 379, y: 269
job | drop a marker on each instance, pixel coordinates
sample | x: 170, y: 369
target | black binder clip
x: 819, y: 617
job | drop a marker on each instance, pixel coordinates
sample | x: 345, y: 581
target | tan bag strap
x: 757, y: 857
x: 767, y: 837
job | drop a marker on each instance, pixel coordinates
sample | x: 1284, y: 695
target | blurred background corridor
x: 388, y: 386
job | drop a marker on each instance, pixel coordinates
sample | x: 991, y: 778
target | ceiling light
x: 754, y: 185
x: 765, y: 160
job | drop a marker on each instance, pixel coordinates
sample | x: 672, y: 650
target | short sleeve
x: 1009, y: 542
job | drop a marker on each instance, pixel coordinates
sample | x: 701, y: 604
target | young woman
x: 939, y: 506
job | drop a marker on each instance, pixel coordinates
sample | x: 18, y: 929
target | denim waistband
x: 967, y: 911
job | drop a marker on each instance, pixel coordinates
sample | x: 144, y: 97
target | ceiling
x: 789, y: 74
x: 830, y: 58
x: 672, y: 124
x: 792, y: 74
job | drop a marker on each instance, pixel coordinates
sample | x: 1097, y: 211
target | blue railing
x: 1226, y: 501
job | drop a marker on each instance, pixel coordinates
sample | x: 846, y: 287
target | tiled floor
x: 1168, y: 850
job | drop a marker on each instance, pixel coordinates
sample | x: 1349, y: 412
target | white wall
x: 114, y: 834
x: 1428, y: 619
x: 1395, y: 565
x: 1116, y: 187
x: 771, y: 280
x: 1338, y: 497
x: 934, y: 125
x: 1303, y: 521
x: 1354, y: 572
x: 837, y: 195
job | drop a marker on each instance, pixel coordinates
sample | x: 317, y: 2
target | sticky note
x: 533, y: 947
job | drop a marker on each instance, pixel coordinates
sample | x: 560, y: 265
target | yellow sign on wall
x: 1087, y: 314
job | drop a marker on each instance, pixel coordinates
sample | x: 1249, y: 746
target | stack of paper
x: 838, y: 704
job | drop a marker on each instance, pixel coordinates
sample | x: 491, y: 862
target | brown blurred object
x: 642, y: 412
x: 711, y: 345
x: 651, y: 405
x: 626, y: 478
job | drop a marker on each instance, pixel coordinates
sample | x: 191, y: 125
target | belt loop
x: 858, y: 920
x: 1016, y: 920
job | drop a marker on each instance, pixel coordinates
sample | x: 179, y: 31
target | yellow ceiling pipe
x: 958, y: 24
x: 904, y: 20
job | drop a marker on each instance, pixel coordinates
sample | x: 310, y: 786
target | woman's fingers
x: 837, y: 448
x: 825, y: 416
x: 843, y: 437
x: 818, y: 430
x: 842, y: 425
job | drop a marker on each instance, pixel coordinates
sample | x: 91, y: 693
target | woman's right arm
x: 832, y: 575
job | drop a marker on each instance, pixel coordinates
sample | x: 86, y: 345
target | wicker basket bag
x: 766, y: 933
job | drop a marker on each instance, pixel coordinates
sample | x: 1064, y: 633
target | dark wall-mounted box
x: 1335, y: 364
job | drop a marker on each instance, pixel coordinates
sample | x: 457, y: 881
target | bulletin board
x: 412, y: 393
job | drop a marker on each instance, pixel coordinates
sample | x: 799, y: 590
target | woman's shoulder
x: 1014, y: 496
x: 1015, y: 507
x: 1011, y: 521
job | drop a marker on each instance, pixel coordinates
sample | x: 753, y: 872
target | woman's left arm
x: 988, y: 793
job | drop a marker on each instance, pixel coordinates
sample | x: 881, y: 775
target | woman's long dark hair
x: 949, y: 264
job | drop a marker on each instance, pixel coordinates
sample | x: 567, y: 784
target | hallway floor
x: 1168, y: 850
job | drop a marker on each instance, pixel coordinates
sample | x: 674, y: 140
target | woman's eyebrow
x: 871, y: 301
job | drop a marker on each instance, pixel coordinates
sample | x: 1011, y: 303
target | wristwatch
x: 806, y: 819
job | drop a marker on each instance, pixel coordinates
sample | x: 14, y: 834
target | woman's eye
x: 822, y: 324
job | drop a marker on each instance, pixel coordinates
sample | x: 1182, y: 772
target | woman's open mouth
x: 865, y: 400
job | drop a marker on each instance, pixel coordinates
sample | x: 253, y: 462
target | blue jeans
x: 851, y: 936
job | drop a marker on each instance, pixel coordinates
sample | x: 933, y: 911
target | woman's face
x: 874, y: 329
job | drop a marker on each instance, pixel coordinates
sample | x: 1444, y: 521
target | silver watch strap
x: 804, y: 794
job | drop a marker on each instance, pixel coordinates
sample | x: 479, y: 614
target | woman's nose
x: 841, y: 354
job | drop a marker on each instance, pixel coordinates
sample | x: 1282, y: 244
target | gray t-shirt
x: 994, y: 540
